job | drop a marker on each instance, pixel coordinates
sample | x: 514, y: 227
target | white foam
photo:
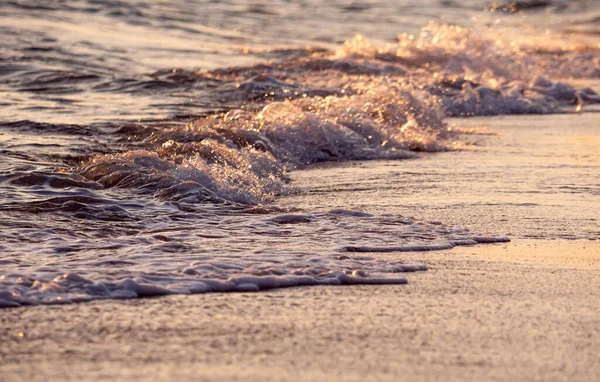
x: 146, y: 227
x: 363, y: 102
x: 249, y: 253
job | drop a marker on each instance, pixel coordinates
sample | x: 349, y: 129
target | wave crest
x: 362, y: 102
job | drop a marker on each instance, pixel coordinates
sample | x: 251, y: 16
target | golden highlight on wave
x: 362, y: 102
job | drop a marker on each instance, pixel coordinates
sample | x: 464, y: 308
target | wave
x: 362, y: 102
x: 171, y: 208
x: 244, y: 252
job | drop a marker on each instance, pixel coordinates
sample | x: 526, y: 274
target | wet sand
x: 524, y: 311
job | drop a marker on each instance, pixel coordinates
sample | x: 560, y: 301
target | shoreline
x: 346, y: 191
x: 523, y: 310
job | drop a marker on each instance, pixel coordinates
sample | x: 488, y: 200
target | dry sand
x: 526, y: 311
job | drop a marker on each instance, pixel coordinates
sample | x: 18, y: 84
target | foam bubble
x: 247, y: 253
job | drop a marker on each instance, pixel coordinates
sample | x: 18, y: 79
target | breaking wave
x: 136, y: 209
x: 362, y: 102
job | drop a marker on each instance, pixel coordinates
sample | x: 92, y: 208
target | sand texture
x: 526, y: 311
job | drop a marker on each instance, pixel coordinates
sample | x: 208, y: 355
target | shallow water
x: 145, y: 146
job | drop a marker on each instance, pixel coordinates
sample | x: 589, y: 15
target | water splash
x: 162, y: 207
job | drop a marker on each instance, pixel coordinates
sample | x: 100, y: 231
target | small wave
x: 147, y: 263
x: 362, y: 102
x: 177, y: 208
x: 242, y: 155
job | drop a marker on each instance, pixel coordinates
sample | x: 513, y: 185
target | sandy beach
x: 520, y: 311
x: 526, y: 311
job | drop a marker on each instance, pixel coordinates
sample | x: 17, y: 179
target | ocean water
x: 152, y: 147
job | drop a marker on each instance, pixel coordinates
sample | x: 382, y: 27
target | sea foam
x: 160, y: 209
x: 362, y: 102
x: 243, y: 253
